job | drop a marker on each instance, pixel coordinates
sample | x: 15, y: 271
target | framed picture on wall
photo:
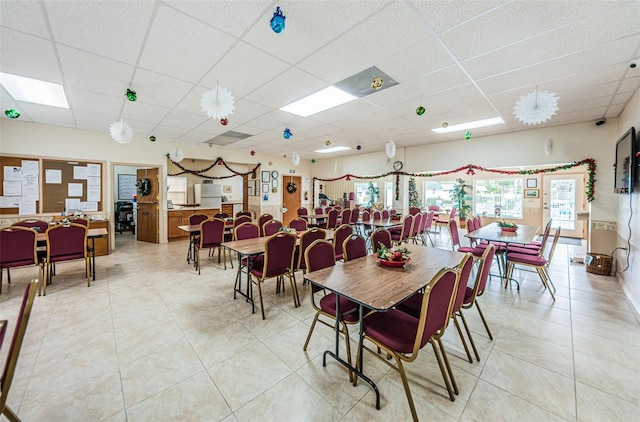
x: 265, y: 188
x: 532, y: 183
x: 266, y: 177
x: 274, y: 183
x: 226, y: 189
x: 531, y: 193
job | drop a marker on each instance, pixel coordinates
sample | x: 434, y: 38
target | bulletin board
x: 19, y: 191
x: 71, y: 185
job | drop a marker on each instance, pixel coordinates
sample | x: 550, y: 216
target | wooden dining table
x: 249, y: 249
x: 375, y: 287
x: 493, y: 233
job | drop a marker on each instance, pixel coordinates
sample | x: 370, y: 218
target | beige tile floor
x: 152, y: 340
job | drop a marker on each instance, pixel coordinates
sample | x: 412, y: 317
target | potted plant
x: 460, y: 195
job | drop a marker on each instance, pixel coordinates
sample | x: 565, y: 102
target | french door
x: 562, y: 197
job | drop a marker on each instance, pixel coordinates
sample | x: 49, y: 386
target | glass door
x: 562, y: 197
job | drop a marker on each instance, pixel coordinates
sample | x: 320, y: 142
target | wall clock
x: 274, y: 174
x: 397, y: 166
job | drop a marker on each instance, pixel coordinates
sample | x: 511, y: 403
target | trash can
x: 600, y: 264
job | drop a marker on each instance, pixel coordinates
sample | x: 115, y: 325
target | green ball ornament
x: 313, y: 161
x: 420, y: 111
x: 467, y: 136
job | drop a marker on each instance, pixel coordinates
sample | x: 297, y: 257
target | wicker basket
x: 601, y: 264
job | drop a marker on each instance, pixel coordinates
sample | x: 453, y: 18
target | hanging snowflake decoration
x: 390, y: 148
x: 295, y: 158
x: 176, y: 155
x: 121, y: 132
x: 536, y: 107
x: 217, y: 103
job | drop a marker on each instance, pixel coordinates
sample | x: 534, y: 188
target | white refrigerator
x: 208, y: 195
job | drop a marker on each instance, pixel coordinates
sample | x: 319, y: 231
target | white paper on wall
x: 74, y: 189
x: 9, y: 201
x: 93, y: 170
x: 88, y: 206
x: 80, y: 172
x: 53, y: 176
x: 13, y: 173
x: 72, y: 204
x: 12, y: 188
x: 27, y: 207
x: 93, y: 195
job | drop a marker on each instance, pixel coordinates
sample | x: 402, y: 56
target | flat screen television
x: 626, y: 168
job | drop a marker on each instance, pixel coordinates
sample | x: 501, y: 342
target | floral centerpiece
x: 393, y: 257
x: 507, y: 227
x: 288, y: 230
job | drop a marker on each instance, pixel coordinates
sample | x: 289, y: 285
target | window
x: 437, y: 193
x: 388, y: 195
x: 362, y: 193
x: 498, y: 198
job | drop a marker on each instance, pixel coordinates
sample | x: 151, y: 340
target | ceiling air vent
x: 359, y: 85
x: 227, y: 138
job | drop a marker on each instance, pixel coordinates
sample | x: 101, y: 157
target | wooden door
x: 148, y: 207
x: 291, y: 201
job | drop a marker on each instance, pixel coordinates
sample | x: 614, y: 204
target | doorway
x: 290, y: 200
x: 563, y: 196
x: 148, y: 205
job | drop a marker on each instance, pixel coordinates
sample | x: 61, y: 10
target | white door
x: 562, y: 197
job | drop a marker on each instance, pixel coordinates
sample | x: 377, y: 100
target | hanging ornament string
x: 472, y: 168
x: 218, y: 161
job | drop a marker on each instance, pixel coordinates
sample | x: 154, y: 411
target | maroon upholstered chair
x: 194, y: 220
x: 472, y: 293
x: 278, y: 262
x: 385, y: 213
x: 401, y: 336
x: 271, y: 227
x: 381, y: 237
x: 338, y: 207
x: 38, y: 225
x: 477, y: 222
x: 81, y: 221
x: 211, y: 237
x: 221, y: 215
x: 320, y: 254
x: 423, y: 231
x: 539, y: 262
x: 17, y: 249
x: 246, y: 231
x: 241, y: 220
x: 306, y: 239
x: 332, y: 220
x: 402, y: 235
x: 299, y: 224
x: 263, y: 219
x: 345, y: 216
x: 318, y: 210
x: 377, y: 215
x: 366, y: 218
x: 244, y: 213
x: 327, y: 209
x: 455, y: 241
x: 415, y: 227
x: 427, y: 228
x: 339, y: 237
x: 536, y: 248
x: 414, y: 210
x: 439, y: 222
x: 434, y: 208
x: 471, y: 226
x: 302, y: 211
x: 355, y: 216
x: 65, y: 242
x: 6, y: 377
x: 354, y: 247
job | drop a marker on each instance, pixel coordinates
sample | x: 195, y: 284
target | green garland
x: 218, y: 161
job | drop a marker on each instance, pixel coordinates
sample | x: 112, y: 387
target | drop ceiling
x: 461, y: 60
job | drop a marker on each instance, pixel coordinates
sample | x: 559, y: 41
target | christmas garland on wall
x: 471, y: 170
x: 218, y: 161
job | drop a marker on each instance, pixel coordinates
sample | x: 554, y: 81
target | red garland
x: 472, y: 168
x: 218, y: 161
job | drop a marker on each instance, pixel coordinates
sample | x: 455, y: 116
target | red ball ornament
x: 253, y: 153
x: 224, y: 122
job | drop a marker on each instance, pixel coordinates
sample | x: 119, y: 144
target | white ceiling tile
x: 92, y: 121
x: 168, y: 133
x: 29, y: 56
x: 273, y: 119
x: 95, y: 103
x: 55, y: 116
x: 445, y: 14
x: 153, y: 88
x: 24, y: 16
x: 189, y: 61
x: 289, y: 86
x: 416, y: 61
x: 347, y: 111
x: 142, y: 129
x: 143, y: 112
x: 115, y: 30
x: 180, y: 119
x: 246, y: 111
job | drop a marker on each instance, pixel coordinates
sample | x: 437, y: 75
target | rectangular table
x: 367, y: 283
x: 492, y: 233
x: 250, y: 248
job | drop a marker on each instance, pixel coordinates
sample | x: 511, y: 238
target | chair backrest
x: 430, y: 217
x: 332, y: 219
x: 244, y: 212
x: 318, y: 210
x: 465, y: 271
x: 211, y: 233
x: 385, y: 213
x: 246, y: 231
x: 381, y: 236
x: 453, y: 213
x: 545, y: 237
x: 16, y: 341
x: 300, y: 224
x: 302, y: 211
x: 483, y: 272
x: 377, y: 215
x: 355, y: 215
x: 434, y: 208
x: 271, y: 227
x: 278, y: 254
x: 306, y: 239
x: 435, y: 309
x: 455, y: 236
x: 195, y: 219
x: 222, y: 215
x: 339, y: 236
x: 471, y: 225
x: 263, y: 219
x: 81, y: 221
x: 18, y: 247
x: 320, y: 254
x: 477, y: 222
x: 417, y: 221
x: 393, y: 211
x: 414, y: 210
x: 366, y: 216
x: 66, y: 242
x: 549, y: 255
x: 327, y: 209
x: 42, y: 226
x: 354, y: 247
x: 241, y: 220
x: 338, y: 207
x: 345, y: 216
x: 407, y: 226
x: 423, y: 223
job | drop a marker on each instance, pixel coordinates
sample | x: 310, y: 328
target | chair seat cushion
x: 252, y: 259
x: 499, y: 249
x: 526, y: 251
x: 395, y: 329
x: 69, y: 257
x: 17, y: 263
x: 411, y: 306
x: 474, y: 251
x: 520, y: 258
x: 348, y: 309
x: 339, y: 256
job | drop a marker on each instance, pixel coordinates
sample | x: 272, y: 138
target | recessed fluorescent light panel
x: 34, y: 91
x: 320, y: 101
x: 469, y: 125
x: 332, y: 149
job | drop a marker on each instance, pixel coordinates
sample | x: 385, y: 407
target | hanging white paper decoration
x: 176, y: 155
x: 217, y: 103
x: 121, y: 132
x: 295, y: 158
x: 548, y: 146
x: 390, y: 148
x: 536, y: 107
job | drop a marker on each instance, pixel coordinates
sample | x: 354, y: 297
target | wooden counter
x: 180, y: 217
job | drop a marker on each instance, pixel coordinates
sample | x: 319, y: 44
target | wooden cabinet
x: 177, y: 218
x: 102, y: 243
x: 228, y: 208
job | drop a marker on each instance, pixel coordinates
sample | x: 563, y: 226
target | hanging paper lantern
x: 176, y: 155
x: 376, y: 83
x: 131, y: 95
x: 420, y: 111
x: 217, y: 103
x: 12, y: 113
x: 295, y: 158
x: 277, y: 21
x: 287, y: 133
x: 390, y: 148
x: 313, y: 161
x: 224, y: 122
x: 359, y: 147
x: 121, y: 132
x: 467, y: 136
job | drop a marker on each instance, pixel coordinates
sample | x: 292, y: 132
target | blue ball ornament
x: 287, y: 133
x: 277, y: 21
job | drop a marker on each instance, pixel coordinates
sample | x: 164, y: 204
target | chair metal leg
x: 442, y: 369
x: 466, y: 328
x: 464, y: 342
x: 260, y: 294
x: 313, y: 325
x: 446, y: 361
x: 196, y: 260
x: 88, y: 270
x: 407, y: 390
x: 12, y: 417
x: 484, y: 321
